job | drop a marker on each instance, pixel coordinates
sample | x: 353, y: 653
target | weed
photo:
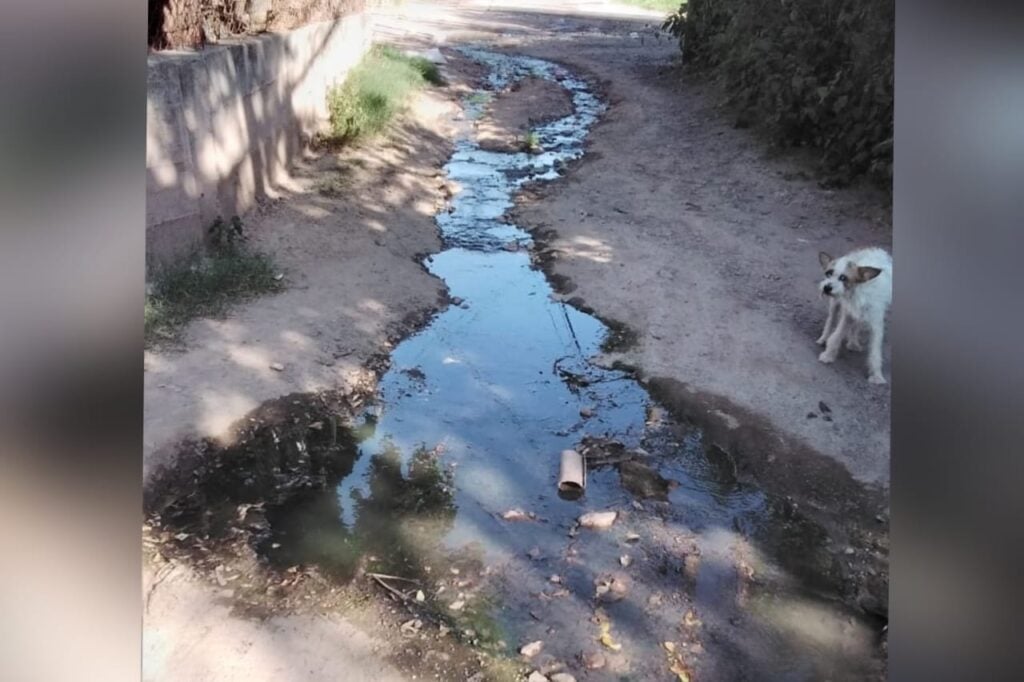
x: 531, y: 142
x: 332, y: 185
x: 204, y: 285
x: 375, y: 91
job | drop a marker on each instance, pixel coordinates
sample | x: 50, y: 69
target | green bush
x: 814, y: 73
x: 375, y: 91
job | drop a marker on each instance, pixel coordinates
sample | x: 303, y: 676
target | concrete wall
x: 223, y: 124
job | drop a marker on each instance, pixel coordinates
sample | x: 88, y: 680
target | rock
x: 598, y: 520
x: 536, y: 677
x: 611, y: 588
x: 532, y: 649
x: 277, y: 367
x: 655, y: 415
x: 691, y: 566
x: 517, y: 515
x: 557, y: 579
x: 562, y: 677
x: 420, y: 596
x: 535, y: 554
x: 548, y: 664
x: 586, y: 412
x: 456, y: 300
x: 625, y: 560
x: 593, y: 660
x: 632, y: 537
x: 643, y: 481
x: 457, y: 605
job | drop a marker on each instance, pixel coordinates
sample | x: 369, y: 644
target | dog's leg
x: 832, y: 305
x: 877, y: 327
x: 853, y: 336
x: 835, y: 340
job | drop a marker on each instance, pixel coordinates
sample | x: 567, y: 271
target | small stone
x: 457, y: 605
x: 848, y: 551
x: 532, y: 649
x: 593, y: 660
x: 547, y: 664
x: 586, y: 412
x: 412, y: 626
x: 632, y: 537
x: 420, y: 596
x: 279, y: 276
x: 277, y: 367
x: 516, y: 515
x: 611, y: 588
x: 536, y: 677
x: 625, y: 560
x: 562, y: 677
x: 598, y: 520
x: 535, y: 554
x: 457, y: 301
x: 691, y: 566
x: 557, y: 579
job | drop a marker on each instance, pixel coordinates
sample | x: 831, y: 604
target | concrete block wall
x: 224, y: 124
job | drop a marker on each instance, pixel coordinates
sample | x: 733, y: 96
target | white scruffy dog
x: 859, y: 288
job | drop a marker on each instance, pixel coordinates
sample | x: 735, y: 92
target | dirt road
x: 674, y: 224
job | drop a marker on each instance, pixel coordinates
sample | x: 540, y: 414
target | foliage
x: 375, y: 91
x: 204, y: 285
x: 814, y: 73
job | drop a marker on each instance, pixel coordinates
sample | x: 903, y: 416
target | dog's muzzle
x: 827, y: 290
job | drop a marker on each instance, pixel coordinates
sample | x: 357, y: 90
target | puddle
x: 469, y: 423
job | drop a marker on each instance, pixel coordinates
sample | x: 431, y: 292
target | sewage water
x: 469, y: 423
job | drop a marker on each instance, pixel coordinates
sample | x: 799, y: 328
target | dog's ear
x: 865, y: 273
x: 824, y: 259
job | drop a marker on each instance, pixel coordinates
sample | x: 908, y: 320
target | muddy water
x: 469, y: 423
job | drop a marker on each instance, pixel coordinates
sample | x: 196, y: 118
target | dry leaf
x: 606, y: 637
x: 680, y: 670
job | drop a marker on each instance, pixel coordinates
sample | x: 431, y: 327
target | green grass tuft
x: 375, y: 91
x: 204, y: 286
